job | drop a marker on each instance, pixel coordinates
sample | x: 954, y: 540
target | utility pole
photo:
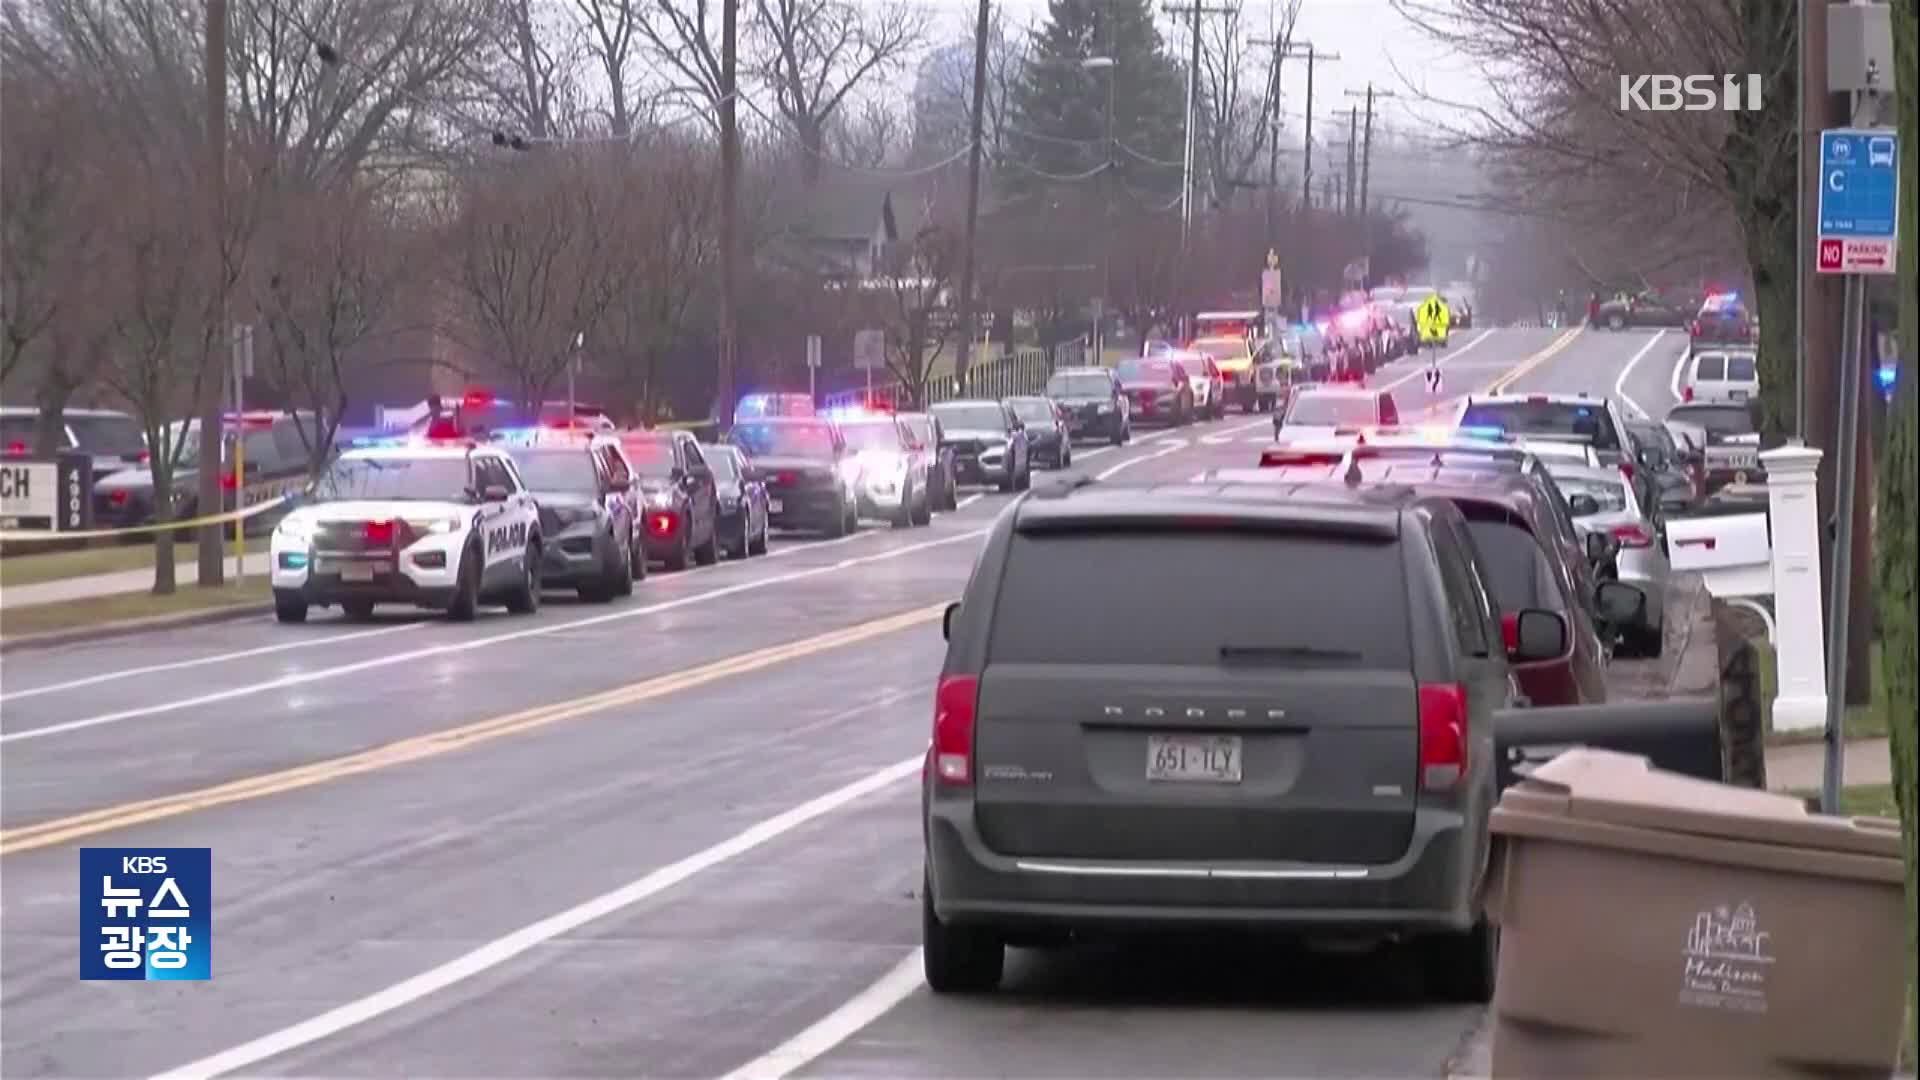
x: 1353, y: 133
x: 1293, y: 50
x: 1366, y: 144
x: 975, y: 125
x: 1189, y: 171
x: 729, y: 207
x: 219, y: 337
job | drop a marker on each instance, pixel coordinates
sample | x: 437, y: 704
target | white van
x: 1722, y: 375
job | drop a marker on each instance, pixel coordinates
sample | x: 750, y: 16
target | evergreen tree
x: 1060, y: 106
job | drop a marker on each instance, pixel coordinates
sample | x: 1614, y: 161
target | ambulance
x: 1228, y: 337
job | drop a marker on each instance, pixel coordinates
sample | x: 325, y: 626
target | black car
x: 1644, y: 309
x: 1095, y: 405
x: 743, y: 501
x: 989, y: 443
x: 276, y: 462
x: 808, y: 470
x: 680, y: 504
x: 1182, y: 753
x: 1047, y: 434
x: 933, y: 438
x: 589, y: 515
x: 1675, y: 486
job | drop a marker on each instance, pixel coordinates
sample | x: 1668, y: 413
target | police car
x: 448, y: 526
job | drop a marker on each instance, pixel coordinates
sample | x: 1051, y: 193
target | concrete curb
x: 127, y: 627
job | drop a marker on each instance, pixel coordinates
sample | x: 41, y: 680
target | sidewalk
x: 1801, y: 766
x: 186, y: 572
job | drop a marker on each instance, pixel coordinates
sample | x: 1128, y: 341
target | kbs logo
x: 506, y: 538
x: 1691, y: 93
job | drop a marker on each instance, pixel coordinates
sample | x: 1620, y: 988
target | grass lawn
x: 35, y: 567
x: 95, y: 610
x: 1862, y: 721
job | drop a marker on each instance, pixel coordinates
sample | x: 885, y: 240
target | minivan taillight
x: 1443, y: 735
x: 953, y: 712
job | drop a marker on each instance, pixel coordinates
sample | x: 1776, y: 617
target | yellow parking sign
x: 1433, y: 318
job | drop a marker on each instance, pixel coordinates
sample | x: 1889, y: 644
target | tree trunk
x: 1899, y: 596
x: 164, y: 579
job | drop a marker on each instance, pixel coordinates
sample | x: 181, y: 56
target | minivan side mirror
x: 1539, y: 634
x: 946, y: 620
x: 1620, y: 604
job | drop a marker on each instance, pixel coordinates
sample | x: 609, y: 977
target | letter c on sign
x: 1834, y: 179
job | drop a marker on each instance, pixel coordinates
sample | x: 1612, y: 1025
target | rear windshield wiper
x: 1285, y: 652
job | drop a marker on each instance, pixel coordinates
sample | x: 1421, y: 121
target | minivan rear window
x: 1739, y: 369
x: 1711, y: 367
x: 1177, y: 598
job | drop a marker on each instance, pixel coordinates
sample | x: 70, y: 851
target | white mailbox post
x: 1800, y: 651
x: 1743, y: 558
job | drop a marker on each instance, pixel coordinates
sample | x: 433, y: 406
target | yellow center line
x: 1499, y: 385
x: 435, y: 743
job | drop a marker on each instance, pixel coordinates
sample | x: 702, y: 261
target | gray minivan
x: 1183, y: 752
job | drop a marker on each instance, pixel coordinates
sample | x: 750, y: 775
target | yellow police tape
x: 15, y: 535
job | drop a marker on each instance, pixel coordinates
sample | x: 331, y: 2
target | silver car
x: 1604, y: 501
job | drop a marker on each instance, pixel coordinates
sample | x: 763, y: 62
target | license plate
x: 361, y: 571
x: 1742, y: 461
x: 1194, y: 759
x: 775, y: 506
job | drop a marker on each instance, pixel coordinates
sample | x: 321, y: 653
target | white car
x: 1209, y: 389
x: 1320, y: 412
x: 437, y: 526
x: 1554, y: 418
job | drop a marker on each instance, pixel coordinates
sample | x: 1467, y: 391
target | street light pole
x: 1096, y: 63
x: 212, y: 556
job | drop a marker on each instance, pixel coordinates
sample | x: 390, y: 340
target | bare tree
x: 1554, y: 68
x: 47, y: 234
x: 671, y: 224
x: 613, y: 42
x: 536, y: 264
x: 1239, y: 91
x: 683, y: 40
x: 870, y: 135
x: 525, y: 75
x: 911, y: 280
x: 331, y: 266
x: 815, y: 53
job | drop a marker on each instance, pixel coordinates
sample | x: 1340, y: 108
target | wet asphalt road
x: 407, y: 816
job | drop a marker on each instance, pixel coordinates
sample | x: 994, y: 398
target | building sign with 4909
x: 506, y: 538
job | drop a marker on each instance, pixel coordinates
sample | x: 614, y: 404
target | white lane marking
x: 1679, y: 366
x: 970, y: 500
x: 502, y: 949
x: 220, y: 658
x: 1620, y: 384
x: 1200, y: 477
x: 1172, y: 446
x: 1442, y: 362
x: 813, y: 545
x: 839, y: 1025
x: 1257, y: 440
x: 304, y: 677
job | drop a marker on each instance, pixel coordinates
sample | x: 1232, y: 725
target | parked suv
x: 1095, y: 405
x: 1183, y: 752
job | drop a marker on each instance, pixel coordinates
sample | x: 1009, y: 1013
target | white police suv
x: 447, y: 526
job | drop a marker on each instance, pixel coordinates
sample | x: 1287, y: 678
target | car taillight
x: 1686, y: 393
x: 16, y: 448
x: 953, y: 714
x: 1443, y: 735
x: 1626, y: 470
x: 117, y: 498
x: 788, y: 478
x: 1693, y: 328
x: 661, y: 524
x: 379, y: 533
x: 1510, y: 631
x: 229, y: 482
x: 1632, y: 536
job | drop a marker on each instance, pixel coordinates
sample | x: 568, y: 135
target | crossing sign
x: 1432, y: 318
x: 1859, y: 204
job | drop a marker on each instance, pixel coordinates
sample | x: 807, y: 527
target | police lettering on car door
x: 502, y: 539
